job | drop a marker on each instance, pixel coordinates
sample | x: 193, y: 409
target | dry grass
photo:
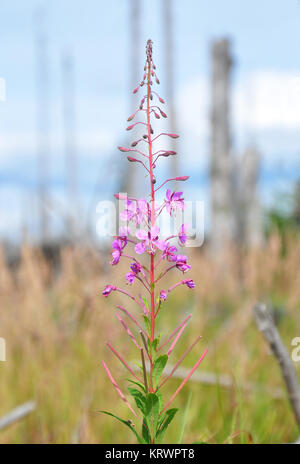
x: 55, y: 327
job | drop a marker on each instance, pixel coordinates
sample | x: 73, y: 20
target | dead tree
x: 17, y: 414
x: 223, y: 224
x: 249, y: 213
x: 42, y: 84
x: 129, y: 181
x: 266, y: 325
x: 71, y: 161
x: 169, y: 60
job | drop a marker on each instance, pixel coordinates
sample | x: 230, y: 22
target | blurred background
x: 230, y: 75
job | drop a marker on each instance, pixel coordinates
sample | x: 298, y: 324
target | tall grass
x: 55, y: 322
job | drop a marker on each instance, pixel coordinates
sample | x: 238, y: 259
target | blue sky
x: 266, y: 90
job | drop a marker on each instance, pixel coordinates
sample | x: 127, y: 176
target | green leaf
x: 168, y: 417
x: 138, y: 384
x: 158, y: 368
x: 139, y: 398
x: 146, y: 303
x: 145, y: 432
x: 147, y: 325
x: 184, y: 419
x: 160, y: 399
x: 152, y: 413
x: 139, y: 439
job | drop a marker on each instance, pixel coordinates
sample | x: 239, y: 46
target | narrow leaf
x: 139, y: 398
x: 168, y: 417
x: 139, y: 439
x: 158, y: 368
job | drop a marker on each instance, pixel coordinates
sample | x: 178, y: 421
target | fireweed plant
x: 162, y: 257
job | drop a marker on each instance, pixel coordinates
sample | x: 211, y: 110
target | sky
x: 265, y: 37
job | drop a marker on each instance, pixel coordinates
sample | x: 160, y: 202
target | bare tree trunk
x: 249, y: 214
x: 42, y: 84
x: 129, y: 181
x: 266, y: 325
x: 223, y: 225
x: 17, y: 414
x: 169, y: 63
x: 71, y: 162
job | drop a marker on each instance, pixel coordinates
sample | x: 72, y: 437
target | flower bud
x: 120, y: 197
x: 135, y: 90
x: 182, y: 178
x: 123, y: 149
x: 157, y: 80
x: 173, y: 136
x: 130, y: 127
x: 156, y: 115
x: 161, y: 100
x: 163, y: 114
x: 131, y: 117
x: 132, y: 160
x: 134, y: 144
x: 153, y: 181
x: 145, y: 136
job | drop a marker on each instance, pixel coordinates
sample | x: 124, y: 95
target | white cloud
x: 265, y: 100
x: 265, y: 109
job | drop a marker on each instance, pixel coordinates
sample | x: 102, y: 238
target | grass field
x: 55, y: 326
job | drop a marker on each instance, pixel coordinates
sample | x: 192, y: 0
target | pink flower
x: 119, y: 244
x: 163, y: 295
x: 181, y: 263
x: 170, y: 253
x: 130, y: 276
x: 135, y: 211
x: 135, y: 268
x: 149, y: 241
x: 182, y: 234
x: 174, y: 201
x: 189, y: 282
x: 108, y: 289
